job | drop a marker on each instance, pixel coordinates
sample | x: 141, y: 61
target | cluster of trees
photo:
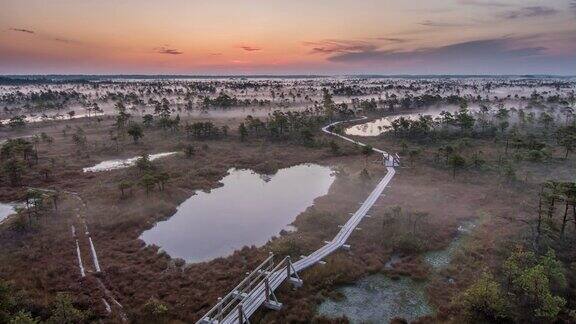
x: 333, y: 110
x: 153, y: 311
x: 370, y: 105
x: 151, y: 177
x: 347, y: 90
x: 38, y: 203
x: 126, y: 126
x: 526, y: 135
x: 450, y: 156
x: 15, y: 122
x: 566, y: 137
x: 224, y: 100
x: 455, y: 157
x: 17, y: 156
x: 278, y: 126
x: 79, y: 138
x: 486, y: 123
x: 43, y: 100
x: 130, y: 97
x: 531, y: 290
x: 296, y: 126
x: 552, y: 195
x: 393, y: 102
x: 205, y: 130
x: 162, y: 118
x: 427, y: 127
x: 390, y: 94
x: 16, y: 308
x: 407, y: 231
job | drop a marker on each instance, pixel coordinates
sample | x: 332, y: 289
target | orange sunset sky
x: 287, y: 37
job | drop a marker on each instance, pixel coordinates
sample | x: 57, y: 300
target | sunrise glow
x: 287, y: 37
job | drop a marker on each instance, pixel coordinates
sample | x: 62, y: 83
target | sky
x: 328, y: 37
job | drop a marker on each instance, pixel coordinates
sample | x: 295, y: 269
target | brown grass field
x: 43, y: 261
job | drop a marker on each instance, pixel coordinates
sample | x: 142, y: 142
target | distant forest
x: 81, y: 78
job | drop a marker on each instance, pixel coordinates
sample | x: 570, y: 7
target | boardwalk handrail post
x: 219, y: 315
x: 240, y: 314
x: 266, y: 289
x: 290, y: 264
x: 292, y: 273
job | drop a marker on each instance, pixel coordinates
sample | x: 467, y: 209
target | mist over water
x: 384, y: 124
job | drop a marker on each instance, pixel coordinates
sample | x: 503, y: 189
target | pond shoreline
x: 202, y: 223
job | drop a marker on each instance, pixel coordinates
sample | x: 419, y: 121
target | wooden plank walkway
x: 249, y: 301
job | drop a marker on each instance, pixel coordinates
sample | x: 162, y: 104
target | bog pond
x: 247, y: 210
x: 123, y: 163
x: 382, y: 125
x: 6, y: 209
x: 379, y: 299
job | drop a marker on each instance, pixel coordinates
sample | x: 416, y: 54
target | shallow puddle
x: 6, y: 210
x: 247, y: 210
x: 122, y: 163
x: 379, y: 299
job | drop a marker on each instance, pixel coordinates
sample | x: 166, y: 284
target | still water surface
x: 378, y: 298
x: 123, y: 163
x: 6, y: 210
x: 384, y: 124
x: 247, y: 210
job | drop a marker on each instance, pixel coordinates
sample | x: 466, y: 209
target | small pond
x: 6, y: 209
x: 378, y: 298
x: 122, y: 163
x: 383, y: 125
x: 247, y: 210
x: 53, y: 117
x: 375, y: 127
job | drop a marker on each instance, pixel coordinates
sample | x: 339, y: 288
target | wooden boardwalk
x: 258, y: 287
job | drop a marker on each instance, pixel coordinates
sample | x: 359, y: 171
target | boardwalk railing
x: 256, y: 289
x: 259, y: 286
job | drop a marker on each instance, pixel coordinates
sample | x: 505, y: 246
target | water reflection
x: 248, y: 210
x: 376, y: 127
x: 384, y: 124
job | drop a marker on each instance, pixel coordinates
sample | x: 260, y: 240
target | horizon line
x: 280, y: 75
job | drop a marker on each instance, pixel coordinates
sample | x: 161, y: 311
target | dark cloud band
x: 168, y: 51
x: 22, y: 30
